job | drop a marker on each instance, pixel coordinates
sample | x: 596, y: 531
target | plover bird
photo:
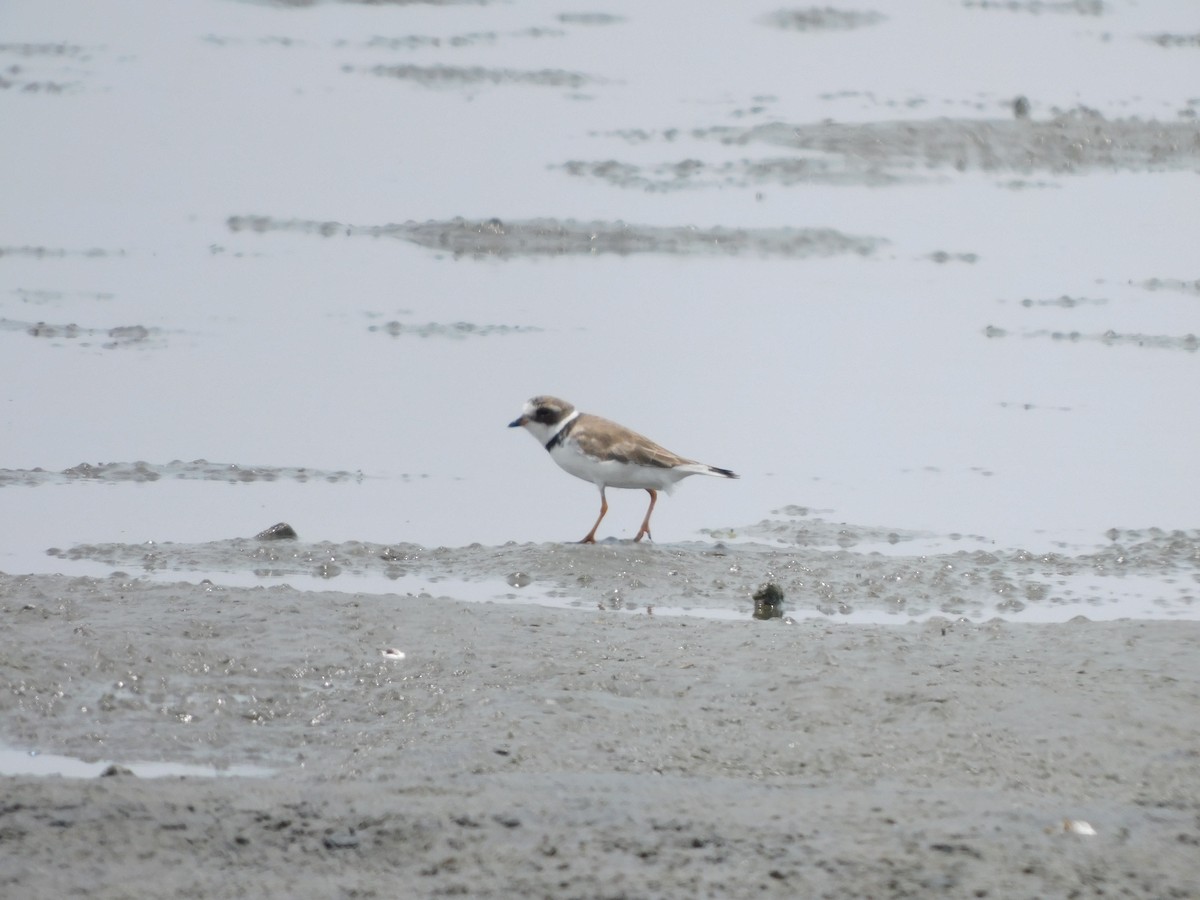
x: 607, y: 454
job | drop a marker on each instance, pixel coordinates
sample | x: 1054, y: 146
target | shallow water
x: 316, y: 256
x: 23, y: 762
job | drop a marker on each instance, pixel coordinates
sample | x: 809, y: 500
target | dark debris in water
x: 472, y: 76
x: 106, y: 338
x: 1064, y: 301
x: 882, y: 153
x: 1167, y: 39
x: 690, y: 174
x: 1189, y: 343
x: 1172, y: 284
x: 1037, y: 7
x: 196, y: 470
x: 1069, y: 142
x: 451, y: 330
x: 58, y: 252
x: 305, y: 4
x: 493, y: 238
x: 590, y: 18
x: 821, y: 19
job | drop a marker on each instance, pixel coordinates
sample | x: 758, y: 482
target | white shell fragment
x: 393, y: 653
x: 1077, y: 826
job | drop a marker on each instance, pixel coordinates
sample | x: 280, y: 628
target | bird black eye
x: 543, y: 414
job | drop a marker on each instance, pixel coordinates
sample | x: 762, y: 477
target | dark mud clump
x: 768, y: 602
x: 493, y: 238
x: 196, y: 470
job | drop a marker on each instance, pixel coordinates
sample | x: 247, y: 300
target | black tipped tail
x: 725, y: 473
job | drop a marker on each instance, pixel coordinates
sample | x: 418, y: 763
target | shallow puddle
x: 31, y: 762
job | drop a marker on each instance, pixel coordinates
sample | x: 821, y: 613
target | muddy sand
x: 424, y: 746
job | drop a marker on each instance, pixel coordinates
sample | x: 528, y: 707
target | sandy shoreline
x: 574, y: 753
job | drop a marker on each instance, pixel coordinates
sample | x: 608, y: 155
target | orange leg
x: 644, y: 531
x: 591, y: 535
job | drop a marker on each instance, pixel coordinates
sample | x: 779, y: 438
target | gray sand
x: 586, y: 753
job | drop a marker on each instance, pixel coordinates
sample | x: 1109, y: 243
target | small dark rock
x: 114, y: 769
x: 281, y: 531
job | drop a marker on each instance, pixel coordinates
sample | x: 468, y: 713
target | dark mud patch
x: 1165, y: 39
x: 797, y: 526
x: 821, y: 19
x: 883, y: 153
x: 16, y: 76
x: 1038, y: 7
x: 61, y: 50
x: 1189, y: 343
x: 1158, y: 568
x: 690, y: 174
x: 465, y: 39
x: 590, y: 18
x: 58, y: 252
x: 408, y: 42
x: 1172, y: 284
x: 1029, y: 407
x: 456, y: 331
x: 492, y: 238
x: 475, y: 76
x: 43, y: 297
x: 305, y: 4
x: 119, y: 337
x: 197, y: 470
x: 1064, y: 301
x: 941, y: 257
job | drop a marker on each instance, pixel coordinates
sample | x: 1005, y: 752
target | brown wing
x: 599, y: 437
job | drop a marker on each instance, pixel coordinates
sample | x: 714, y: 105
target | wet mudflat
x: 300, y: 263
x: 476, y: 748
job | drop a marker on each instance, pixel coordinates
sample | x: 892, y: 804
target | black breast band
x: 561, y: 435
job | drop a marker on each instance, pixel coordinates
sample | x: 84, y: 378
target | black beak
x: 517, y: 423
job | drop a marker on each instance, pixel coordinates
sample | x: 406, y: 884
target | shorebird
x: 607, y: 454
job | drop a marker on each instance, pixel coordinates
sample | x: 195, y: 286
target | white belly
x: 609, y: 473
